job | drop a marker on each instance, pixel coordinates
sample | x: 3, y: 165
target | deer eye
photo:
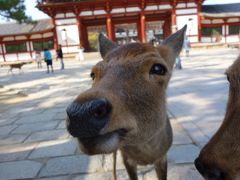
x: 158, y: 69
x: 92, y: 75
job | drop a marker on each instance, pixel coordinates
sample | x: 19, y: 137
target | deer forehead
x: 134, y: 66
x: 132, y: 57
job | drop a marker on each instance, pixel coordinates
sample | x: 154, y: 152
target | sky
x: 36, y: 14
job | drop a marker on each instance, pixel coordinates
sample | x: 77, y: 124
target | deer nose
x: 209, y: 173
x: 87, y: 119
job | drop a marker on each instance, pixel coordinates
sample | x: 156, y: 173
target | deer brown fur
x: 126, y: 106
x: 220, y: 158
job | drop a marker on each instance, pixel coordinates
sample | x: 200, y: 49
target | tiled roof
x: 222, y: 8
x: 16, y: 28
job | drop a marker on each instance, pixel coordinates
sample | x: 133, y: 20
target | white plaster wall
x: 181, y: 5
x: 70, y: 15
x: 1, y: 58
x: 192, y: 28
x: 20, y: 37
x: 118, y: 10
x: 60, y: 15
x: 133, y: 9
x: 233, y: 20
x: 217, y: 21
x: 233, y: 39
x: 70, y: 49
x: 192, y: 4
x: 223, y: 29
x: 193, y: 39
x: 205, y: 21
x: 24, y: 56
x: 223, y: 39
x: 166, y: 6
x: 21, y: 56
x: 49, y: 34
x: 98, y: 12
x: 31, y: 44
x: 28, y: 47
x: 36, y: 36
x: 86, y: 13
x: 66, y: 21
x: 227, y: 29
x: 206, y: 39
x: 8, y: 38
x: 72, y: 35
x: 11, y: 57
x: 151, y: 8
x: 186, y: 11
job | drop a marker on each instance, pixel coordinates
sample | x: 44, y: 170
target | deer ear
x: 175, y: 41
x: 105, y: 45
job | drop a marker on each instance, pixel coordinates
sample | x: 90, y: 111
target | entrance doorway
x: 92, y: 32
x: 125, y: 33
x: 154, y: 32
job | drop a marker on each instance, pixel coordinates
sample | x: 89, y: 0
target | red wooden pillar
x: 225, y: 29
x: 166, y: 29
x: 199, y: 7
x: 142, y: 27
x: 109, y: 27
x: 173, y: 16
x: 29, y: 45
x: 54, y: 34
x: 139, y: 30
x: 80, y: 31
x: 85, y: 38
x: 3, y: 53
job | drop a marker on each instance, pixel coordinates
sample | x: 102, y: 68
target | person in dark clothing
x: 60, y: 56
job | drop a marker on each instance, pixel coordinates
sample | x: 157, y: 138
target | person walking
x: 178, y: 64
x: 186, y: 46
x: 38, y: 59
x: 48, y: 59
x: 60, y: 56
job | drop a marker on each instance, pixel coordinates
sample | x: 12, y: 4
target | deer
x: 125, y: 108
x: 16, y: 66
x: 219, y: 159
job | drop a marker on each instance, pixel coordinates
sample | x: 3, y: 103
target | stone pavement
x: 34, y: 143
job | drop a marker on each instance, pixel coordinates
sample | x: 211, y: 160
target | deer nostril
x: 215, y: 173
x: 199, y: 166
x: 210, y: 173
x: 88, y: 118
x: 99, y: 108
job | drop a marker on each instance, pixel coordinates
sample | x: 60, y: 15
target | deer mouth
x: 101, y: 144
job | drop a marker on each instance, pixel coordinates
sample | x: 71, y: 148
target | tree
x: 14, y: 9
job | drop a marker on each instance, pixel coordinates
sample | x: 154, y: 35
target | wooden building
x: 220, y: 23
x: 75, y: 24
x: 20, y: 41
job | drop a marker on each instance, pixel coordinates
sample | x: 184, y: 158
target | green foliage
x: 234, y: 29
x: 211, y: 31
x: 18, y: 47
x: 14, y: 9
x: 93, y: 40
x: 215, y: 32
x: 40, y: 45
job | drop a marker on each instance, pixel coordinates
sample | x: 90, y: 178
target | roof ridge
x: 220, y: 4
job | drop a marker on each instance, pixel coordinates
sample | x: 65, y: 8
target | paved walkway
x: 34, y: 143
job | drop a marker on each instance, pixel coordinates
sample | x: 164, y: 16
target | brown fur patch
x: 222, y: 152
